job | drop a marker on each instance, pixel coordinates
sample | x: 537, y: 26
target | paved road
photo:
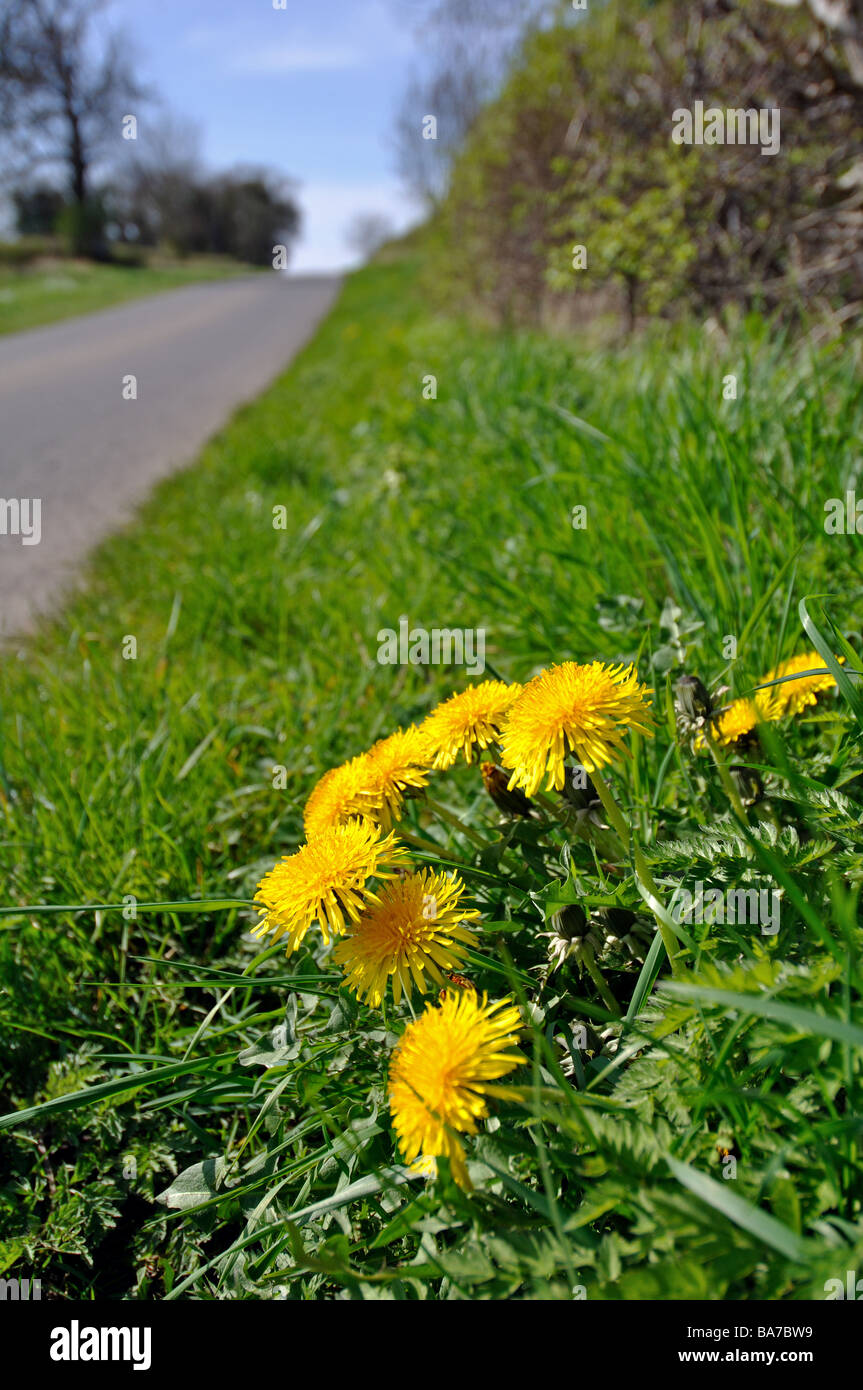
x: 68, y: 438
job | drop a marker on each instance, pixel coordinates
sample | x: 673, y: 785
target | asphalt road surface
x: 69, y: 439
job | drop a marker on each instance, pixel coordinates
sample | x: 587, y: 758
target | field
x: 191, y: 1113
x: 48, y: 292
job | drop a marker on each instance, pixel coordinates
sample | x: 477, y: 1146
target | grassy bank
x: 180, y: 774
x: 44, y: 294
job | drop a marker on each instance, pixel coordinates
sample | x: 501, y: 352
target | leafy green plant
x: 188, y: 1115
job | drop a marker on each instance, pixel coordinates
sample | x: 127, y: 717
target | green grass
x: 31, y: 297
x: 142, y: 1043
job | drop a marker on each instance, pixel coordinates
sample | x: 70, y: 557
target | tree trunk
x: 77, y: 162
x: 80, y: 232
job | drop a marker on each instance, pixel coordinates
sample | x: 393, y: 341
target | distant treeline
x: 587, y: 146
x: 240, y: 214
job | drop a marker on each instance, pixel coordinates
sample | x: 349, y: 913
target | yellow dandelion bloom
x: 371, y: 786
x: 570, y: 708
x: 442, y: 1073
x: 792, y: 697
x: 741, y: 718
x: 424, y: 1167
x: 395, y: 767
x: 324, y: 881
x: 738, y: 720
x: 412, y: 929
x: 340, y: 794
x: 468, y: 721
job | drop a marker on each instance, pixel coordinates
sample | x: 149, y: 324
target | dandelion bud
x: 617, y: 921
x: 570, y: 922
x: 512, y: 803
x: 692, y: 699
x: 578, y: 789
x: 748, y: 782
x: 726, y: 1146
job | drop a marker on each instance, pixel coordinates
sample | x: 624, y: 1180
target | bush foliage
x: 577, y: 150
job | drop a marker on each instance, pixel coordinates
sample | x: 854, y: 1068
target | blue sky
x: 310, y: 90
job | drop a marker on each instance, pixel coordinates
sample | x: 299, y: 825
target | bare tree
x: 156, y: 190
x: 368, y: 232
x: 471, y: 43
x: 452, y: 97
x: 60, y: 104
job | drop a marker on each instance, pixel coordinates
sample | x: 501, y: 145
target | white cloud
x: 295, y: 58
x: 368, y: 32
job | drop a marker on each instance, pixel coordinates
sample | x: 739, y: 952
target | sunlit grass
x: 153, y: 779
x: 45, y: 294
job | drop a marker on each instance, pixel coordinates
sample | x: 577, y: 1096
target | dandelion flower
x: 324, y: 881
x: 741, y: 718
x: 443, y: 1071
x: 340, y: 794
x: 371, y: 786
x: 468, y: 721
x: 570, y: 708
x: 792, y: 697
x: 411, y: 929
x: 396, y: 767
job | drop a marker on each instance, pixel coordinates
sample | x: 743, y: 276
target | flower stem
x: 726, y: 779
x: 588, y: 960
x: 428, y: 846
x: 452, y: 820
x: 611, y: 808
x: 642, y: 871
